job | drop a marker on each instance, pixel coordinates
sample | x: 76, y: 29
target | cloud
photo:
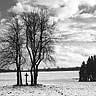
x: 69, y: 54
x: 18, y: 8
x: 90, y: 2
x: 21, y: 7
x: 76, y: 27
x: 86, y: 11
x: 25, y: 1
x: 58, y: 8
x: 2, y: 21
x: 85, y: 8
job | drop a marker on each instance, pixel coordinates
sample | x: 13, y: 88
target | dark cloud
x: 78, y: 26
x: 85, y: 8
x: 91, y: 27
x: 80, y: 19
x: 52, y: 12
x: 5, y: 5
x: 63, y: 5
x: 84, y: 27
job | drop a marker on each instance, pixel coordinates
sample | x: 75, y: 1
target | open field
x: 50, y: 84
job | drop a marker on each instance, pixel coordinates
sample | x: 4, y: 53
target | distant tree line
x: 88, y: 71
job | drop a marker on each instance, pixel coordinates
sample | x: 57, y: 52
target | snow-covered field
x: 50, y: 84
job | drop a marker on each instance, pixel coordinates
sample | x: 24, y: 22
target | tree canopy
x: 32, y: 31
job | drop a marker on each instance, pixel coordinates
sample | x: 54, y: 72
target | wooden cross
x: 26, y: 75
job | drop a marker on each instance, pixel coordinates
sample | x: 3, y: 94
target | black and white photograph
x: 47, y: 47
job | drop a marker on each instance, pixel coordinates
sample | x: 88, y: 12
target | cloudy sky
x: 76, y: 26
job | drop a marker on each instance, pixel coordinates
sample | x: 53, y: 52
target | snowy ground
x: 61, y: 87
x: 66, y: 89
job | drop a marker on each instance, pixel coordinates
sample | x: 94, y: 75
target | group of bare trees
x: 31, y: 31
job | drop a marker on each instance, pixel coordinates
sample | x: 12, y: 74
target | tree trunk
x: 31, y: 76
x: 20, y: 66
x: 35, y: 78
x: 17, y: 76
x: 20, y: 78
x: 35, y: 75
x: 17, y: 69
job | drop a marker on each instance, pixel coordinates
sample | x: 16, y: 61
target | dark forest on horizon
x: 45, y: 69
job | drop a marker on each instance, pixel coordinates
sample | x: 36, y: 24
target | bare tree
x: 12, y: 43
x: 39, y: 42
